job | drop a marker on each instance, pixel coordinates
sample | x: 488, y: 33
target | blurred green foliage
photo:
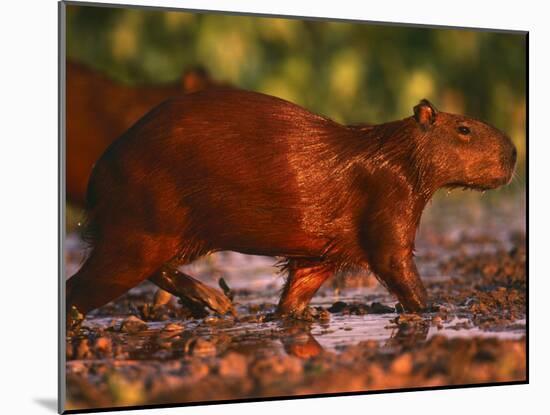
x: 350, y: 72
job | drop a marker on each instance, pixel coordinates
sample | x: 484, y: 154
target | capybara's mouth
x: 507, y: 178
x: 489, y: 184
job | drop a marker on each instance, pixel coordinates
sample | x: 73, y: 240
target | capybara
x: 234, y: 170
x: 99, y: 110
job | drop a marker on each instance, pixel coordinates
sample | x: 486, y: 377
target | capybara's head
x: 464, y: 152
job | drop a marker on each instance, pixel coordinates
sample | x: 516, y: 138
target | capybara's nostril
x: 509, y: 157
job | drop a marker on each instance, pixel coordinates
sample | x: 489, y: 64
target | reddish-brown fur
x: 241, y: 171
x: 99, y: 110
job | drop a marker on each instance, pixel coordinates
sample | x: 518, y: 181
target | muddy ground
x: 146, y: 348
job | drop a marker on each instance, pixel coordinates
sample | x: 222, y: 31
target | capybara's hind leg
x: 304, y: 279
x: 115, y: 266
x: 192, y: 292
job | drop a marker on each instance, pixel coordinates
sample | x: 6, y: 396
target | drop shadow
x: 48, y: 403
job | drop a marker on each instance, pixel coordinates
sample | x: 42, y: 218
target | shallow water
x: 333, y: 335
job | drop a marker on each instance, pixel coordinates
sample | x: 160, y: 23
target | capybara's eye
x: 463, y: 130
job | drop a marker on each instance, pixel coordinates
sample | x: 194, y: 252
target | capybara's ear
x: 195, y: 79
x: 425, y: 113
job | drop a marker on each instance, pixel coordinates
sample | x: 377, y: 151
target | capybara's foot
x: 417, y: 308
x: 203, y: 295
x: 192, y: 292
x: 415, y: 304
x: 303, y: 314
x: 306, y: 314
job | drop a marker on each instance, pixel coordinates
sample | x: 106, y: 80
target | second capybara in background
x: 99, y: 110
x: 226, y: 169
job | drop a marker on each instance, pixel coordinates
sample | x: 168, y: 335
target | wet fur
x: 234, y: 170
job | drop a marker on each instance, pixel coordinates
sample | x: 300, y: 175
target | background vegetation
x: 350, y: 72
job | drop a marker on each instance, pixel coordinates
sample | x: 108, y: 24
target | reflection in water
x: 409, y: 335
x: 296, y: 338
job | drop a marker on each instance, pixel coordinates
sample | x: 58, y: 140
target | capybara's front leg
x: 191, y: 291
x: 304, y: 279
x: 396, y: 269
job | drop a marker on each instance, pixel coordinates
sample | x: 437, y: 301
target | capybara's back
x: 99, y: 110
x: 246, y: 176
